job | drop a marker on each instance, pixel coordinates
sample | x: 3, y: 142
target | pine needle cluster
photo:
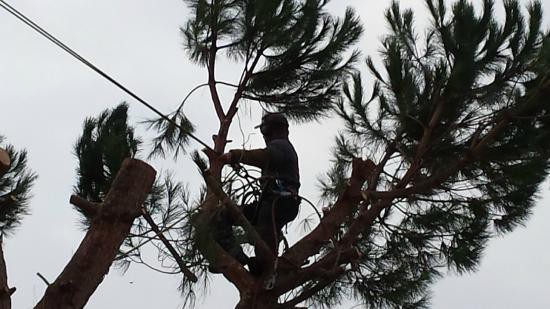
x: 15, y: 189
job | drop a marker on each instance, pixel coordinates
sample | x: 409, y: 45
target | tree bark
x: 5, y: 291
x: 110, y: 226
x: 343, y: 208
x: 4, y: 162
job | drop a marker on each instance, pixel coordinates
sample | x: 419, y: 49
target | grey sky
x: 45, y: 95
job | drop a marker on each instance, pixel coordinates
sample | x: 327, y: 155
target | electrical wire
x: 27, y: 21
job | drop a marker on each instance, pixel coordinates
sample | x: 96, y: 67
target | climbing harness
x: 258, y: 188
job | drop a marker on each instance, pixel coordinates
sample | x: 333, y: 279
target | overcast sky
x: 45, y: 96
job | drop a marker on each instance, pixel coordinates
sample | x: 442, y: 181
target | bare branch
x: 89, y: 209
x: 169, y: 246
x: 212, y: 78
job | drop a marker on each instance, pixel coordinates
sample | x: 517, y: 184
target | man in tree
x: 278, y: 202
x: 457, y: 125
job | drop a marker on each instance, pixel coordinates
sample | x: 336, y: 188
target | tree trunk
x: 5, y: 291
x: 257, y: 299
x: 110, y: 226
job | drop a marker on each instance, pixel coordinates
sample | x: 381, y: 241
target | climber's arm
x: 255, y: 157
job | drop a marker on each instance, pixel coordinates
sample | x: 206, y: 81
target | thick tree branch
x: 225, y: 124
x: 211, y: 250
x: 423, y: 145
x: 212, y: 75
x: 5, y: 290
x: 333, y: 260
x: 363, y: 222
x: 231, y: 269
x: 438, y: 178
x: 328, y: 266
x: 93, y: 258
x: 476, y: 149
x: 330, y: 224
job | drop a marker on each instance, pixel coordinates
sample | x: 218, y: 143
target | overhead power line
x: 27, y: 21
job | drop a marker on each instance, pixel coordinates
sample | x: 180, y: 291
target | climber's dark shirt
x: 278, y: 160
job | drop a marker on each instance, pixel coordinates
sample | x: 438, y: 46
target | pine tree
x: 447, y: 151
x: 16, y: 181
x: 294, y: 57
x: 105, y: 142
x: 15, y: 189
x: 457, y: 122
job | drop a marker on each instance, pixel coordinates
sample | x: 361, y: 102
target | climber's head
x: 274, y: 126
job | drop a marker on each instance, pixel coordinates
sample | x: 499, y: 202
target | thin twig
x: 43, y: 279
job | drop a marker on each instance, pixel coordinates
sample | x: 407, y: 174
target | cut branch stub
x: 108, y: 229
x: 5, y: 162
x: 89, y: 209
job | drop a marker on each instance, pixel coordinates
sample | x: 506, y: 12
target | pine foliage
x: 294, y: 51
x: 105, y: 142
x: 173, y: 134
x: 456, y: 118
x: 15, y: 189
x: 459, y: 119
x: 294, y: 56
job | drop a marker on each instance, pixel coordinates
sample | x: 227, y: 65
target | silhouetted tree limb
x: 173, y: 251
x: 329, y: 225
x: 5, y: 290
x: 108, y: 229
